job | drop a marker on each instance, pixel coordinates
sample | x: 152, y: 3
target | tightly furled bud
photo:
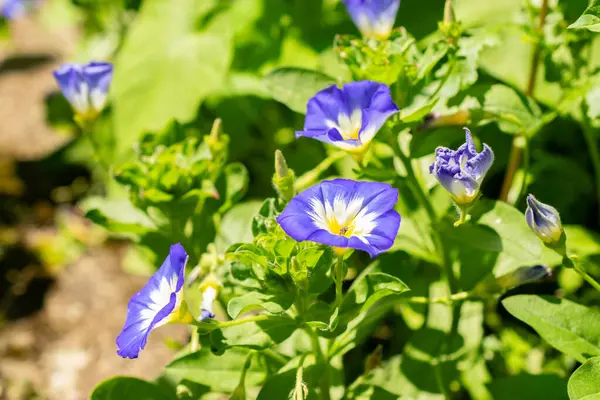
x: 284, y: 178
x: 544, y: 221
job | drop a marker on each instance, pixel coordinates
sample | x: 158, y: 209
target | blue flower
x: 158, y: 303
x: 344, y: 214
x: 543, y: 220
x: 12, y: 9
x: 461, y: 172
x: 348, y: 117
x: 373, y: 17
x: 85, y: 86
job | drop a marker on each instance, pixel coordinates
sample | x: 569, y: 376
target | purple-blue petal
x: 372, y: 99
x: 375, y: 203
x: 368, y: 14
x: 143, y: 311
x: 461, y: 171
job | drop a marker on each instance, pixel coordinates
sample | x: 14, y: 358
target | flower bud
x: 544, y: 221
x: 209, y: 294
x: 284, y: 178
x: 461, y: 171
x: 523, y: 275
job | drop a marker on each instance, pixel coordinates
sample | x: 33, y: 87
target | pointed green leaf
x: 567, y: 326
x: 584, y: 384
x: 255, y: 335
x: 295, y: 86
x: 129, y: 388
x: 590, y: 19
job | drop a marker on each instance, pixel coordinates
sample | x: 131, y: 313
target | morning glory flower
x: 461, y: 172
x: 349, y: 117
x: 344, y: 214
x: 158, y: 303
x: 12, y: 9
x: 543, y: 220
x: 85, y: 86
x: 373, y: 17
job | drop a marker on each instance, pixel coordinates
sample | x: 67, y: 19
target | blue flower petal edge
x: 156, y: 304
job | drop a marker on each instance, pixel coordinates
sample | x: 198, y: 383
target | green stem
x: 311, y: 176
x: 339, y: 279
x: 321, y: 359
x: 422, y: 197
x: 592, y: 144
x: 577, y: 267
x: 194, y: 339
x: 210, y: 326
x: 460, y: 296
x: 514, y: 160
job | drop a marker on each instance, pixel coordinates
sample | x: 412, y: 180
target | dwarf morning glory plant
x: 544, y: 221
x: 350, y: 117
x: 461, y: 171
x: 86, y: 87
x: 158, y: 303
x: 373, y: 17
x: 344, y: 214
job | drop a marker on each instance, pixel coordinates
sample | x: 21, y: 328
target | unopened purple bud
x: 544, y: 221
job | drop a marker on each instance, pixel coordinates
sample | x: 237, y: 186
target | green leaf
x: 584, y: 384
x: 367, y: 290
x: 117, y: 215
x: 295, y: 86
x: 264, y: 221
x: 525, y: 386
x: 369, y: 392
x: 318, y: 261
x: 590, y: 19
x: 236, y: 225
x: 567, y: 326
x: 129, y: 388
x: 236, y: 184
x: 220, y: 373
x: 167, y: 66
x: 256, y: 335
x: 276, y: 303
x: 513, y: 112
x: 497, y: 239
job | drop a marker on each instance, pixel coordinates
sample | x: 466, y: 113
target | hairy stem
x: 573, y: 262
x: 339, y: 279
x: 322, y: 360
x: 514, y: 160
x: 311, y: 176
x: 592, y: 144
x: 460, y: 296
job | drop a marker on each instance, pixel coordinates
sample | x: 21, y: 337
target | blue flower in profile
x: 461, y: 172
x: 349, y: 117
x: 344, y: 214
x: 158, y: 303
x: 373, y: 17
x: 13, y: 9
x: 85, y: 86
x: 544, y: 221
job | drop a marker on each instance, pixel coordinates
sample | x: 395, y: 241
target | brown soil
x: 69, y: 347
